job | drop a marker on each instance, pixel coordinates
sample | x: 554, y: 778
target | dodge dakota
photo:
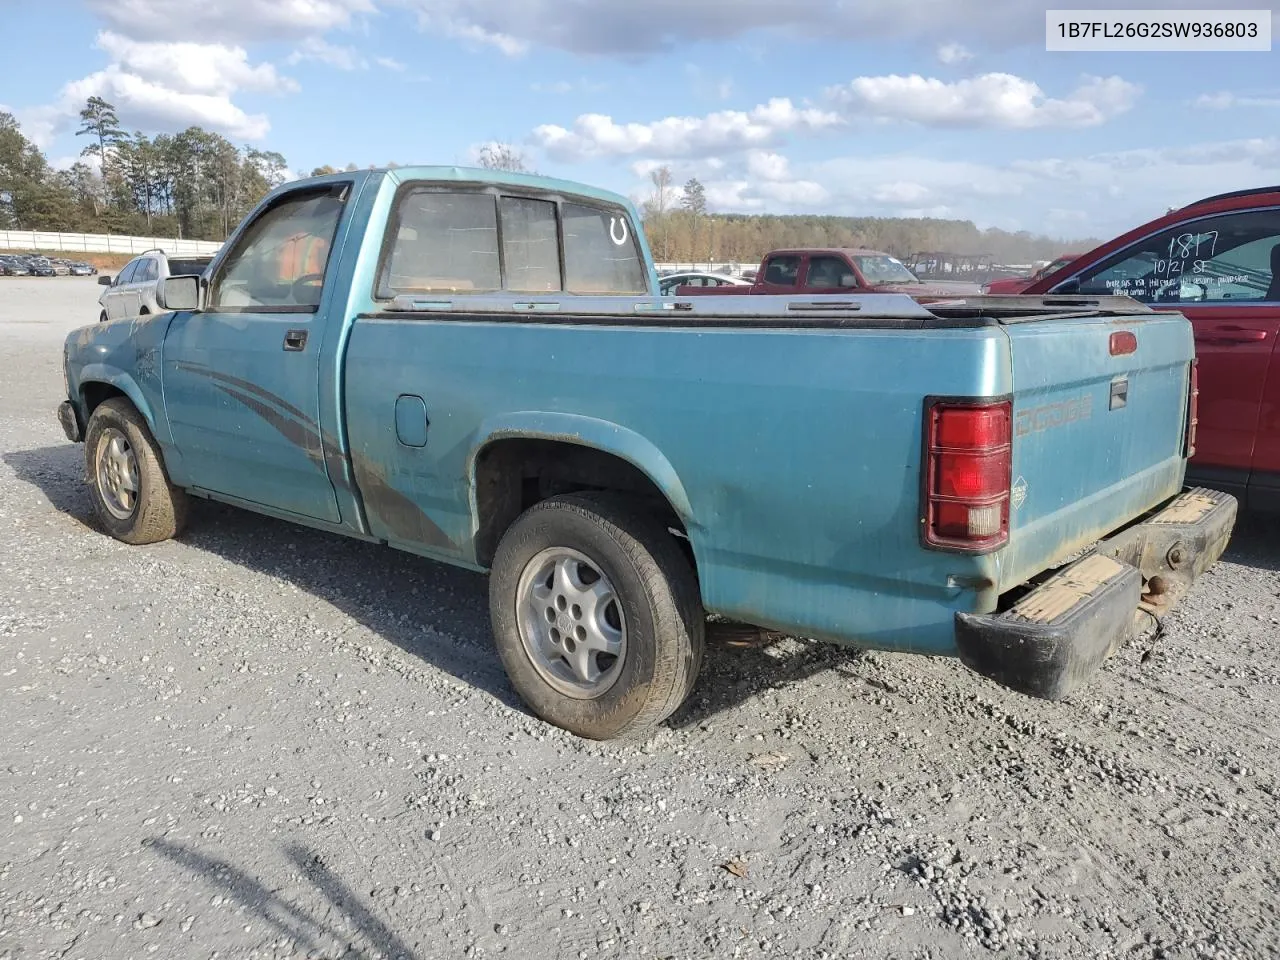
x: 479, y: 368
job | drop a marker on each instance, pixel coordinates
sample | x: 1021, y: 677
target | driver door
x: 828, y: 274
x: 241, y: 376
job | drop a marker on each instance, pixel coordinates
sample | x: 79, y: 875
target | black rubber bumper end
x: 70, y: 422
x: 1057, y: 636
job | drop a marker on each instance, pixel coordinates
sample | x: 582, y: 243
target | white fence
x: 706, y: 267
x: 30, y: 240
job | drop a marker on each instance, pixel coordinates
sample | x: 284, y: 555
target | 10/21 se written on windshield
x: 1192, y: 266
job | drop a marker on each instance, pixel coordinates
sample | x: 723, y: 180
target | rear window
x: 530, y: 249
x: 444, y: 242
x: 188, y: 266
x: 600, y: 252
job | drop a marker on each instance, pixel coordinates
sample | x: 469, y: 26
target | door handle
x: 295, y: 339
x: 1234, y: 335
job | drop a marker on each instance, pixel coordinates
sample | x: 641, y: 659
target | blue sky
x: 947, y: 108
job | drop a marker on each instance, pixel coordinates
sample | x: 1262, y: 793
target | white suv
x: 132, y: 292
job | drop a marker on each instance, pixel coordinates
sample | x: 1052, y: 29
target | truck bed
x: 746, y: 413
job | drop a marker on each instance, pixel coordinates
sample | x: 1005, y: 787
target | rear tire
x: 132, y: 495
x: 596, y: 616
x: 102, y: 317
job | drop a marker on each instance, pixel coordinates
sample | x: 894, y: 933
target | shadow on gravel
x: 399, y: 596
x: 57, y: 472
x: 1255, y: 542
x: 306, y: 931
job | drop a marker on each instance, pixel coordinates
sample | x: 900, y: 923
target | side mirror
x: 104, y: 279
x: 848, y: 280
x: 178, y: 293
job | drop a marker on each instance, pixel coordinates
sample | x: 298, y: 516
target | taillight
x: 968, y: 459
x: 1193, y: 410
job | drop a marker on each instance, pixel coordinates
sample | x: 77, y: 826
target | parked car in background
x: 14, y: 267
x: 83, y: 269
x: 1019, y: 284
x: 836, y: 270
x: 693, y: 278
x: 958, y: 479
x: 132, y: 292
x: 1218, y: 262
x: 41, y: 267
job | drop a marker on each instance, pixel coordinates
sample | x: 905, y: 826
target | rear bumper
x: 70, y: 421
x: 1057, y: 635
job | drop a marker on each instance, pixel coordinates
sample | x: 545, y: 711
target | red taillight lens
x: 1193, y: 410
x: 972, y: 428
x: 967, y: 474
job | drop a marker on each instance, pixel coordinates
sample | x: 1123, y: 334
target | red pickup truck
x: 1217, y: 261
x: 835, y: 270
x: 1019, y: 284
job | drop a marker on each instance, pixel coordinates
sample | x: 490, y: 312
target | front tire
x: 596, y: 616
x: 132, y: 495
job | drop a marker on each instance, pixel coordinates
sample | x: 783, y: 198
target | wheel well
x: 95, y: 393
x: 143, y: 312
x: 512, y: 475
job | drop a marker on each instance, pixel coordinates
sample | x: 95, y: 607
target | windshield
x: 1054, y: 267
x: 878, y: 269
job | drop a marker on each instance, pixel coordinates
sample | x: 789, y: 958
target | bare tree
x: 502, y: 156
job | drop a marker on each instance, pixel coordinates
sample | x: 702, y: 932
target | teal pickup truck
x: 478, y: 368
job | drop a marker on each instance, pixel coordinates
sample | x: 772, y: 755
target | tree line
x: 681, y: 229
x: 196, y: 184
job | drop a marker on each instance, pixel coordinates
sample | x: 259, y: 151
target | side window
x: 279, y: 261
x: 443, y: 242
x: 126, y: 275
x: 530, y: 246
x: 1227, y: 258
x: 600, y: 252
x: 782, y: 270
x: 828, y: 272
x: 147, y: 271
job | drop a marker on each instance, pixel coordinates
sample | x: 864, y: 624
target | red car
x: 1218, y: 262
x: 1019, y: 284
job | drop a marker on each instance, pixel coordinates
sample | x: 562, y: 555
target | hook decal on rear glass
x: 614, y: 223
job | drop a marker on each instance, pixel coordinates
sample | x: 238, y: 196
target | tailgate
x: 1098, y: 433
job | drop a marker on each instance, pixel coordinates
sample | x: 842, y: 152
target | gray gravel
x: 260, y: 741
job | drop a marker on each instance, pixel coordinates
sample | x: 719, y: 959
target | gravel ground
x: 260, y: 741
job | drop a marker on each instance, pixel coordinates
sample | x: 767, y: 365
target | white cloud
x: 162, y: 86
x: 595, y: 134
x: 1226, y: 101
x: 953, y: 53
x: 195, y: 68
x: 147, y: 105
x: 989, y: 100
x: 229, y: 20
x: 995, y: 100
x: 390, y: 63
x: 768, y: 166
x: 343, y: 58
x: 470, y: 33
